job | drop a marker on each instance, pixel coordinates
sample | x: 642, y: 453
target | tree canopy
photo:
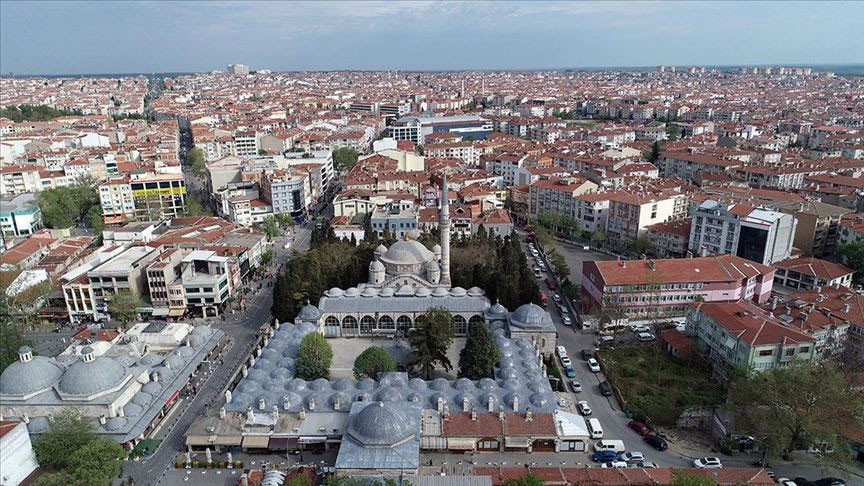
x: 11, y: 336
x: 195, y: 159
x: 314, y: 357
x: 526, y: 480
x: 79, y: 455
x: 853, y: 256
x: 372, y: 361
x: 271, y: 227
x: 478, y: 358
x: 797, y: 406
x: 344, y: 158
x: 123, y: 306
x: 34, y: 113
x: 430, y: 340
x: 681, y: 478
x: 75, y: 205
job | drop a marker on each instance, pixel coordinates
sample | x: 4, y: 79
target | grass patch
x: 657, y: 385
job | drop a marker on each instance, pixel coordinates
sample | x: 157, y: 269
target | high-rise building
x: 240, y: 69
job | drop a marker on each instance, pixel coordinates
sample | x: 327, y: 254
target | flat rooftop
x: 123, y: 262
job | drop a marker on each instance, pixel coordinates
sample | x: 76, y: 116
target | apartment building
x: 19, y: 179
x: 631, y: 213
x: 807, y: 273
x: 851, y: 229
x: 505, y: 165
x: 741, y: 335
x: 164, y: 281
x: 125, y: 272
x: 818, y: 225
x: 830, y: 315
x: 207, y: 281
x: 670, y: 239
x: 592, y: 211
x: 668, y: 286
x: 116, y: 201
x: 463, y: 151
x: 157, y: 196
x: 245, y: 144
x: 688, y: 165
x: 287, y: 192
x: 779, y: 177
x: 757, y: 234
x: 560, y: 196
x: 397, y: 217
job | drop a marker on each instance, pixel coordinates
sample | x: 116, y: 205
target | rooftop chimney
x: 473, y: 414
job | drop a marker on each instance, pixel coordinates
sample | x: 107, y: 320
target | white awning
x: 256, y: 441
x: 461, y: 443
x: 160, y: 311
x: 312, y: 440
x: 520, y: 442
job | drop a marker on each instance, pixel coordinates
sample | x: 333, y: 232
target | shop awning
x: 256, y: 441
x: 176, y: 312
x: 197, y: 440
x: 228, y: 440
x: 283, y: 442
x: 461, y: 443
x: 160, y: 311
x: 517, y: 442
x: 312, y: 440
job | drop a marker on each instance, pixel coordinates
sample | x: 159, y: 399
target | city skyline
x: 446, y: 36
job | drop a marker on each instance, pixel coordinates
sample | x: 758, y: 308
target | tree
x: 690, y: 479
x: 853, y: 256
x: 270, y: 227
x: 262, y: 152
x: 195, y: 208
x: 64, y: 207
x: 372, y: 361
x: 11, y: 337
x: 267, y: 257
x: 598, y: 237
x: 124, y: 306
x: 34, y: 113
x: 642, y: 246
x: 559, y: 263
x: 97, y: 461
x: 285, y: 220
x: 344, y: 158
x: 430, y: 340
x: 314, y: 357
x: 68, y: 432
x: 655, y: 152
x: 797, y: 406
x: 478, y: 358
x: 672, y: 132
x: 195, y: 159
x: 526, y: 480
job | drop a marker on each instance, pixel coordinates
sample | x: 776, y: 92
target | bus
x: 544, y: 298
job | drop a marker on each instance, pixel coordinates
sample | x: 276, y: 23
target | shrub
x: 238, y: 464
x: 180, y: 464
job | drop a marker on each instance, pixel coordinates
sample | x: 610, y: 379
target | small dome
x: 440, y: 384
x: 132, y: 409
x: 202, y: 331
x: 407, y: 252
x: 343, y: 384
x: 529, y: 316
x: 487, y: 384
x: 381, y: 425
x: 475, y: 292
x: 432, y: 265
x: 320, y: 384
x: 153, y: 388
x: 142, y: 398
x: 376, y: 266
x: 463, y: 384
x: 511, y: 384
x: 297, y: 384
x: 186, y: 352
x: 405, y: 291
x: 389, y: 394
x: 497, y: 310
x: 115, y: 423
x: 366, y: 384
x: 274, y: 386
x: 436, y: 249
x: 369, y: 292
x: 423, y: 292
x: 387, y: 292
x: 457, y: 292
x: 280, y: 374
x: 352, y: 292
x: 343, y: 399
x: 175, y: 362
x: 309, y: 313
x: 195, y: 341
x: 335, y: 292
x: 381, y: 249
x: 249, y: 386
x: 540, y: 400
x: 292, y: 399
x: 417, y: 384
x: 440, y: 292
x: 150, y: 360
x: 86, y: 378
x: 362, y: 397
x: 25, y: 377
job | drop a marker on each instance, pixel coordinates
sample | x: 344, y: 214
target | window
x: 386, y: 322
x: 403, y: 324
x: 766, y: 352
x: 804, y: 349
x: 460, y: 326
x: 790, y: 351
x: 367, y: 324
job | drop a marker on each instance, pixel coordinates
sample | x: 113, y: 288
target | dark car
x: 656, y: 442
x: 829, y: 482
x: 587, y: 354
x: 605, y: 388
x: 639, y: 427
x: 604, y: 456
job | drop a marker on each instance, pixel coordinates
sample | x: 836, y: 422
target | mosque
x: 380, y: 426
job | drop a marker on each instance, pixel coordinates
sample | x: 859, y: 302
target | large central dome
x: 87, y: 378
x: 407, y: 252
x: 29, y: 375
x: 529, y: 316
x: 381, y: 425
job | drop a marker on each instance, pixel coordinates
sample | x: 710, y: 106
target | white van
x: 609, y: 445
x: 595, y: 429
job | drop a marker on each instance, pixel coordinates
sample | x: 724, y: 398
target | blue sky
x: 107, y: 37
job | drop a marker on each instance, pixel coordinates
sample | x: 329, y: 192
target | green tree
x: 271, y: 227
x: 690, y: 479
x: 853, y: 256
x: 285, y: 220
x: 34, y: 113
x: 430, y: 340
x: 299, y: 480
x: 11, y: 335
x: 797, y: 406
x: 195, y: 159
x: 478, y: 358
x: 526, y: 480
x: 194, y: 207
x: 372, y: 361
x: 95, y: 220
x: 68, y: 432
x: 64, y: 207
x: 262, y: 152
x: 124, y: 306
x: 344, y: 158
x: 314, y: 357
x: 559, y: 263
x: 642, y: 246
x: 598, y: 237
x: 655, y: 152
x: 97, y: 461
x: 267, y: 257
x: 672, y: 132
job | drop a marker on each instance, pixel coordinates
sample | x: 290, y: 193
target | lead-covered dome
x: 529, y: 316
x: 407, y: 252
x: 91, y: 374
x: 29, y: 374
x: 381, y: 425
x: 309, y: 313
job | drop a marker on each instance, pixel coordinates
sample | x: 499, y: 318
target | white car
x: 561, y: 350
x: 583, y: 407
x: 556, y: 297
x: 566, y: 361
x: 645, y: 337
x: 643, y: 465
x: 615, y: 464
x: 639, y: 328
x: 786, y: 482
x: 632, y: 456
x: 707, y: 463
x: 566, y: 320
x: 562, y: 402
x: 593, y: 365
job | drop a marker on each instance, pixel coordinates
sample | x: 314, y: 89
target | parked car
x: 786, y: 482
x: 587, y: 354
x: 632, y: 456
x: 576, y: 386
x: 614, y: 464
x: 639, y: 428
x: 656, y: 442
x: 566, y: 320
x: 645, y: 337
x: 637, y: 328
x: 566, y: 361
x: 605, y: 340
x: 561, y: 350
x: 643, y: 465
x: 604, y: 456
x: 605, y: 388
x: 562, y: 402
x: 556, y: 297
x: 707, y: 463
x: 584, y: 408
x: 570, y: 372
x: 593, y: 365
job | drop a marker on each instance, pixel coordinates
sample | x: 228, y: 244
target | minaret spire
x: 444, y: 226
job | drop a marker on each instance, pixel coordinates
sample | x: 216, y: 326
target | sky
x: 131, y: 37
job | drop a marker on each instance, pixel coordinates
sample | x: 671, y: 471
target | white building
x: 17, y: 459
